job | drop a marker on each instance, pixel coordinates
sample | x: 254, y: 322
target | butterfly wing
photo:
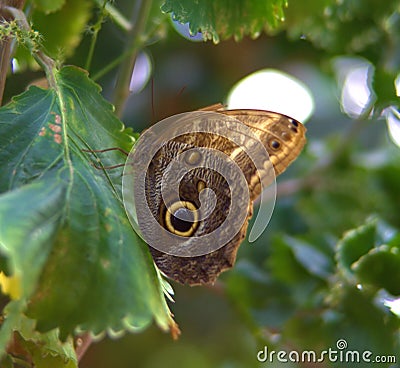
x: 283, y: 139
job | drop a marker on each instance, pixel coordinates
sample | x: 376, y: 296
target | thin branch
x: 82, y: 344
x: 6, y: 44
x: 96, y: 29
x: 150, y: 35
x: 134, y: 42
x: 47, y: 64
x: 115, y: 15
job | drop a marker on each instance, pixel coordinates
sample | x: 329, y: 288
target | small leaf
x: 355, y: 244
x: 380, y: 268
x: 222, y: 19
x: 283, y: 263
x: 46, y: 349
x: 293, y: 257
x: 383, y: 83
x: 310, y: 257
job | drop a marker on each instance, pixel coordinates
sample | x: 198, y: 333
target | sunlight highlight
x: 272, y: 90
x: 393, y: 305
x: 183, y: 30
x: 354, y: 80
x: 141, y: 73
x: 393, y: 122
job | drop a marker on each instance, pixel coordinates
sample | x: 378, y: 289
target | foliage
x: 68, y: 221
x: 326, y: 269
x: 223, y: 19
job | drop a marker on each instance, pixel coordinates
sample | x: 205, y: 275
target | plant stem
x: 82, y: 344
x: 134, y: 42
x: 47, y: 64
x: 115, y: 15
x: 6, y: 45
x: 96, y: 29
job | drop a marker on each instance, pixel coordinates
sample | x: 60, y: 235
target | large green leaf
x: 222, y: 19
x: 63, y: 228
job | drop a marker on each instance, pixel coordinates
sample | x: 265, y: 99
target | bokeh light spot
x: 393, y: 123
x: 141, y: 73
x: 183, y: 30
x: 272, y: 90
x: 354, y: 80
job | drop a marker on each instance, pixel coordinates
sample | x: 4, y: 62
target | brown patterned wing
x: 283, y: 138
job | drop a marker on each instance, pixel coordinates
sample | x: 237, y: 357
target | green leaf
x: 389, y: 181
x: 370, y: 255
x: 383, y: 83
x: 293, y: 260
x: 380, y: 268
x: 355, y: 244
x: 26, y: 235
x: 362, y: 323
x: 348, y: 26
x: 63, y: 226
x: 283, y: 263
x: 222, y: 19
x: 310, y: 257
x: 49, y: 6
x: 46, y: 349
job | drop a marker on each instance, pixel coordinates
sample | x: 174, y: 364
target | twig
x: 43, y: 60
x: 96, y: 29
x: 6, y: 44
x: 134, y: 43
x: 82, y: 343
x: 115, y: 15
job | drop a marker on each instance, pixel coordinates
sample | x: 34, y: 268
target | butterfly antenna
x: 177, y: 97
x: 153, y: 110
x: 180, y: 93
x: 106, y: 150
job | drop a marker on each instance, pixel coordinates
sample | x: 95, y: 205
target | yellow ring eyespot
x: 180, y: 218
x: 200, y: 185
